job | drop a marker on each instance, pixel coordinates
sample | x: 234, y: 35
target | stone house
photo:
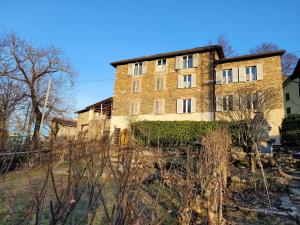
x: 94, y: 120
x: 63, y: 127
x: 184, y: 85
x: 291, y: 87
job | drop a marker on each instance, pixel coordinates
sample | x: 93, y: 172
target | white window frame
x: 159, y: 83
x: 134, y: 108
x: 185, y: 61
x: 225, y: 76
x: 159, y: 106
x: 186, y: 82
x: 138, y: 68
x: 136, y: 86
x: 161, y: 65
x: 250, y: 73
x: 187, y: 105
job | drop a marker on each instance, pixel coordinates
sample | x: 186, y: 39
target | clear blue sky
x: 94, y: 33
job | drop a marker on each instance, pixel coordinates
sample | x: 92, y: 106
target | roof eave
x: 252, y: 56
x: 217, y: 48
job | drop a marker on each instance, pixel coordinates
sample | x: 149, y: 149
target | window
x: 161, y: 65
x: 287, y: 96
x: 134, y: 108
x: 187, y: 81
x: 187, y: 105
x: 159, y: 106
x: 252, y: 101
x: 161, y: 62
x: 136, y: 86
x: 159, y: 83
x: 227, y: 103
x: 138, y: 68
x: 227, y: 76
x: 187, y: 61
x: 288, y: 110
x: 251, y: 73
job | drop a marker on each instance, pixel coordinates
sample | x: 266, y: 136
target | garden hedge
x: 290, y: 132
x: 166, y: 133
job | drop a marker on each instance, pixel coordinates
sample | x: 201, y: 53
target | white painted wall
x: 294, y: 103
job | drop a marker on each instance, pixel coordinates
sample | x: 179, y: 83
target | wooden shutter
x: 259, y: 70
x: 138, y: 108
x: 235, y: 75
x: 161, y: 83
x: 133, y: 108
x: 163, y: 103
x: 179, y: 106
x: 236, y: 103
x: 196, y: 60
x: 178, y: 63
x: 130, y: 69
x: 242, y: 74
x: 180, y: 81
x: 219, y: 76
x: 139, y: 86
x: 133, y: 86
x: 193, y: 105
x: 144, y: 67
x: 194, y: 83
x: 219, y: 103
x: 156, y: 66
x: 156, y: 106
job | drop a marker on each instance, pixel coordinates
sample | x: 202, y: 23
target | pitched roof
x: 209, y: 48
x: 105, y: 103
x: 65, y: 121
x: 295, y: 74
x: 251, y: 56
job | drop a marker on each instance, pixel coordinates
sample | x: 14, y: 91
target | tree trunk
x: 37, y: 125
x: 3, y: 134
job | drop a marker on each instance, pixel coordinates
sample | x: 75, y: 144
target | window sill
x: 142, y: 75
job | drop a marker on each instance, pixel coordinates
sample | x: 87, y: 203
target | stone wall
x: 123, y: 94
x: 272, y: 78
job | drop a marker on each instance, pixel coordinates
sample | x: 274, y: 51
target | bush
x: 172, y: 133
x: 290, y: 132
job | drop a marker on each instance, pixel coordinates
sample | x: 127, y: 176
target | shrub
x: 171, y: 133
x: 291, y: 129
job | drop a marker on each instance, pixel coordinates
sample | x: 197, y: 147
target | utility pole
x: 45, y: 105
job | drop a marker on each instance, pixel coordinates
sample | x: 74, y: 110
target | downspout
x: 213, y: 75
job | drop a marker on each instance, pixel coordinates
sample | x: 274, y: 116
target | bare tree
x: 227, y: 48
x: 212, y: 172
x: 11, y: 96
x: 33, y: 67
x: 288, y: 62
x: 249, y: 110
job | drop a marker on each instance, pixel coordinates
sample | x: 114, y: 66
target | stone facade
x: 271, y: 78
x: 202, y: 94
x: 148, y: 93
x: 94, y: 120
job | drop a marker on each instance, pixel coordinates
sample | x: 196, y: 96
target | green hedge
x: 172, y: 132
x: 291, y: 129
